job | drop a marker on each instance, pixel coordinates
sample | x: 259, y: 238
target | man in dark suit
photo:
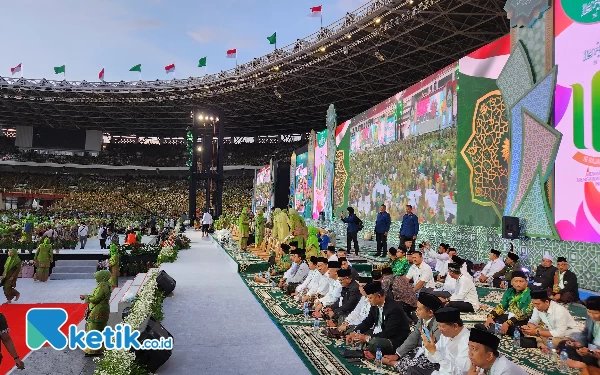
x: 346, y: 266
x: 577, y: 348
x: 544, y: 274
x: 566, y: 288
x: 348, y: 299
x: 386, y: 327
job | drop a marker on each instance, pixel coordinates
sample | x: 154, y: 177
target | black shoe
x: 377, y: 255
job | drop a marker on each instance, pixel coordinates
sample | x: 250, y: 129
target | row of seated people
x: 356, y: 308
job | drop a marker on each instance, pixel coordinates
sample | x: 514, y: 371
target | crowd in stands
x: 105, y: 194
x: 153, y: 155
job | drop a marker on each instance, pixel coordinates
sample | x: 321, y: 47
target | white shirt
x: 309, y: 278
x: 465, y: 291
x: 207, y: 218
x: 360, y: 312
x: 421, y: 273
x: 334, y: 293
x: 290, y: 270
x: 441, y: 261
x: 333, y: 258
x: 82, y: 231
x: 300, y: 273
x: 492, y: 267
x: 503, y: 366
x: 322, y: 287
x: 452, y: 354
x: 561, y: 279
x: 449, y: 285
x: 557, y: 320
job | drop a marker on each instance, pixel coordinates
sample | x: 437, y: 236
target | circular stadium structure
x: 361, y: 59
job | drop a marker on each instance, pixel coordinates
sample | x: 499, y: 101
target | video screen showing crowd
x: 408, y: 314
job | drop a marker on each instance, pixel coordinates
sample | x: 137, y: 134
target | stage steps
x: 74, y: 269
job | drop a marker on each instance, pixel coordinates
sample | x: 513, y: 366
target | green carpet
x: 322, y: 354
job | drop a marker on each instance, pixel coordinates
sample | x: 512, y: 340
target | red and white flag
x: 16, y: 69
x: 101, y: 75
x: 232, y: 53
x: 316, y: 11
x: 170, y: 68
x: 488, y: 61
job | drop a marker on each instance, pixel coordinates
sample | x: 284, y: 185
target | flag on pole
x: 272, y: 39
x: 232, y: 53
x: 16, y: 69
x: 202, y: 62
x: 137, y: 68
x: 59, y: 69
x: 316, y: 11
x: 101, y: 75
x: 170, y: 68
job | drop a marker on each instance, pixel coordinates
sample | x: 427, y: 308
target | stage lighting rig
x: 277, y: 94
x: 379, y: 56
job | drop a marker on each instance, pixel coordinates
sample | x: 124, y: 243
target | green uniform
x: 12, y: 267
x: 98, y: 306
x: 43, y: 259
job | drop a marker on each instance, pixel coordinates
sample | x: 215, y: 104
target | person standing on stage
x: 43, y: 259
x: 207, y: 221
x: 382, y: 227
x: 352, y: 230
x: 409, y: 229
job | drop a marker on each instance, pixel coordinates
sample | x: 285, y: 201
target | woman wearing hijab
x: 12, y: 267
x: 43, y: 259
x: 98, y: 310
x: 280, y: 225
x: 297, y: 227
x: 259, y: 230
x: 312, y: 244
x: 244, y: 226
x: 115, y: 266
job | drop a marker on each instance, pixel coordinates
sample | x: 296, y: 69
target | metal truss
x: 358, y: 61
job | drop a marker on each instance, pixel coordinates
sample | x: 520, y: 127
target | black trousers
x: 381, y: 244
x: 103, y: 243
x: 463, y: 307
x: 352, y: 237
x: 501, y: 319
x: 406, y: 238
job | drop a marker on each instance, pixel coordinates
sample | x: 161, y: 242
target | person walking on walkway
x: 98, y: 309
x: 409, y: 229
x: 82, y: 232
x: 8, y: 343
x: 43, y: 259
x: 12, y: 267
x: 352, y: 230
x: 382, y: 227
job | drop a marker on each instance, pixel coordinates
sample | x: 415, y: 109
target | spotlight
x: 277, y: 94
x: 276, y: 68
x: 410, y: 2
x: 211, y: 118
x: 199, y: 149
x: 217, y: 119
x: 322, y: 49
x: 379, y: 56
x: 348, y: 36
x: 377, y: 20
x: 201, y: 117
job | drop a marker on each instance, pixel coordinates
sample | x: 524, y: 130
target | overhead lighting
x: 211, y: 118
x: 410, y: 2
x: 277, y: 94
x: 201, y: 117
x: 322, y: 49
x: 199, y: 148
x: 276, y: 68
x: 217, y: 119
x: 379, y: 56
x: 378, y: 20
x: 348, y: 36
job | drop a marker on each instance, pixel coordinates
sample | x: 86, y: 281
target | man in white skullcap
x: 544, y: 274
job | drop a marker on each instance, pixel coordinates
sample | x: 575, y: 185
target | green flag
x: 202, y: 62
x: 137, y: 68
x: 272, y: 39
x: 59, y: 69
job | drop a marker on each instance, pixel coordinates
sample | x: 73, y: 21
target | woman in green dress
x: 297, y: 228
x: 12, y: 267
x: 244, y: 226
x: 280, y: 224
x: 98, y: 310
x: 115, y: 266
x: 43, y: 259
x: 312, y: 243
x: 259, y: 229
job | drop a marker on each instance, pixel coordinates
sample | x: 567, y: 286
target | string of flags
x: 230, y: 54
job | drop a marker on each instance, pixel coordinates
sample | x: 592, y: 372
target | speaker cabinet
x: 510, y: 227
x: 153, y: 359
x: 165, y: 283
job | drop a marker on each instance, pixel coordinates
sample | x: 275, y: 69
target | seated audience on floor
x: 331, y: 254
x: 359, y: 313
x: 583, y: 348
x: 410, y: 353
x: 349, y: 297
x: 345, y: 265
x: 333, y: 293
x: 544, y: 274
x: 386, y: 327
x: 549, y: 321
x: 502, y: 277
x: 400, y: 290
x: 441, y: 260
x: 451, y: 352
x: 320, y: 288
x: 420, y: 272
x: 566, y: 288
x: 399, y: 263
x: 485, y: 358
x: 515, y: 308
x: 341, y: 253
x: 311, y: 277
x: 464, y: 298
x: 494, y: 265
x: 295, y: 275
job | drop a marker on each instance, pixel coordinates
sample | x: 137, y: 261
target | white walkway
x: 217, y: 324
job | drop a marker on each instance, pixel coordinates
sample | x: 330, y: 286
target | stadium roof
x: 372, y: 54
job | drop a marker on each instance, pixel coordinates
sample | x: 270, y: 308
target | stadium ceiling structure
x: 358, y: 61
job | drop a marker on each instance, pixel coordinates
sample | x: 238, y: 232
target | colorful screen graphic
x: 262, y: 189
x: 577, y: 117
x: 321, y: 179
x: 301, y: 194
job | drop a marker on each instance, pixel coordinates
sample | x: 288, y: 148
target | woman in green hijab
x: 312, y: 243
x: 115, y: 266
x: 96, y: 315
x: 259, y: 229
x: 297, y: 227
x: 244, y: 226
x: 12, y: 267
x: 43, y: 258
